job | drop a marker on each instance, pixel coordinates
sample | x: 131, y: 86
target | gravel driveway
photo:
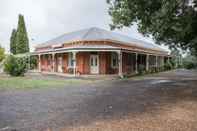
x: 165, y: 101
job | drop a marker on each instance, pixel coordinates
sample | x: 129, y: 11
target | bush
x: 168, y: 66
x: 190, y: 62
x: 33, y: 62
x: 15, y: 66
x: 190, y: 65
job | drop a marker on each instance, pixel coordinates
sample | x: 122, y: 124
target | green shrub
x: 15, y: 66
x: 190, y: 65
x: 33, y: 62
x: 168, y: 66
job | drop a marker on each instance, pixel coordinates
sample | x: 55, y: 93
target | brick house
x: 97, y: 51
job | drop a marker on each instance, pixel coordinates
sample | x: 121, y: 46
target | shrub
x: 33, y: 62
x: 168, y: 66
x: 15, y: 66
x: 190, y: 65
x: 190, y: 62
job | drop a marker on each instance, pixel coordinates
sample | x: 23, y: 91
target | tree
x: 2, y: 54
x: 13, y: 42
x: 170, y: 22
x: 22, y: 42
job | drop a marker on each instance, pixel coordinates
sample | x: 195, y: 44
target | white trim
x: 97, y: 63
x: 70, y: 60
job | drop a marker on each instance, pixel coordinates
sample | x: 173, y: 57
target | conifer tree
x: 22, y: 42
x: 13, y: 42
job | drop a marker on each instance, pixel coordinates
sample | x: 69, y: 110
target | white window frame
x: 114, y: 55
x: 70, y: 60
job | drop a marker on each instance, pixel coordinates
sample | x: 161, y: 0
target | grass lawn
x: 35, y: 83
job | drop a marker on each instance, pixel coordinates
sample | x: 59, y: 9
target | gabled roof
x: 94, y: 34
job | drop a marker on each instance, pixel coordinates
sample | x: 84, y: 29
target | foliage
x: 15, y: 66
x: 22, y: 42
x: 13, y: 42
x: 190, y: 62
x: 168, y: 66
x: 33, y: 62
x: 2, y: 53
x: 172, y: 22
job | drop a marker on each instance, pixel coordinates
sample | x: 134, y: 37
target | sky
x: 47, y: 19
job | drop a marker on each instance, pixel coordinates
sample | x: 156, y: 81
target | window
x: 70, y: 60
x: 114, y: 60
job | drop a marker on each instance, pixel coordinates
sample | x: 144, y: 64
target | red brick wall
x: 65, y: 62
x: 103, y: 63
x: 82, y: 63
x: 128, y: 63
x: 83, y: 66
x: 46, y: 65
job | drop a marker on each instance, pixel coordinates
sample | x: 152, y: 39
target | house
x: 97, y: 51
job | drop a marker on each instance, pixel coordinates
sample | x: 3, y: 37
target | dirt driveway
x: 161, y: 102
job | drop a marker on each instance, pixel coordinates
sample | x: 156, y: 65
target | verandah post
x: 39, y: 62
x: 74, y: 62
x: 147, y: 62
x: 136, y: 64
x: 53, y: 61
x: 156, y: 61
x: 120, y: 64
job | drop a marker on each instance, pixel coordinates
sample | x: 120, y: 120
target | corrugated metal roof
x: 99, y: 34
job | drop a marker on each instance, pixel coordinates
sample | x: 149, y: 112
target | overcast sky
x: 46, y: 19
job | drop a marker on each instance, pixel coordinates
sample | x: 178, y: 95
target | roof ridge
x: 88, y: 31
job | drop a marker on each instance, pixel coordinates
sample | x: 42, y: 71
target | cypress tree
x: 22, y: 42
x: 13, y: 42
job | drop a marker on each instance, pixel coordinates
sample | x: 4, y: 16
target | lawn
x: 36, y: 83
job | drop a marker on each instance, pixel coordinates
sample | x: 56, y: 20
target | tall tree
x: 22, y: 41
x: 172, y: 22
x: 13, y: 42
x: 2, y: 54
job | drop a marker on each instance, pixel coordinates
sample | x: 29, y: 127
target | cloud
x: 46, y: 19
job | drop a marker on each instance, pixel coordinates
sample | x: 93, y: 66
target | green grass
x: 33, y: 83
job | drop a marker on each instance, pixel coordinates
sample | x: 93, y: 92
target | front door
x: 94, y: 64
x: 59, y: 64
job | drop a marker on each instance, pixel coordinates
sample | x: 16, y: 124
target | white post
x: 53, y: 61
x: 136, y: 64
x: 162, y: 61
x: 39, y: 63
x: 120, y: 64
x: 147, y: 62
x: 74, y: 63
x: 156, y: 61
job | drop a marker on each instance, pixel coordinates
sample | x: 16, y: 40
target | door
x: 59, y: 67
x: 94, y: 64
